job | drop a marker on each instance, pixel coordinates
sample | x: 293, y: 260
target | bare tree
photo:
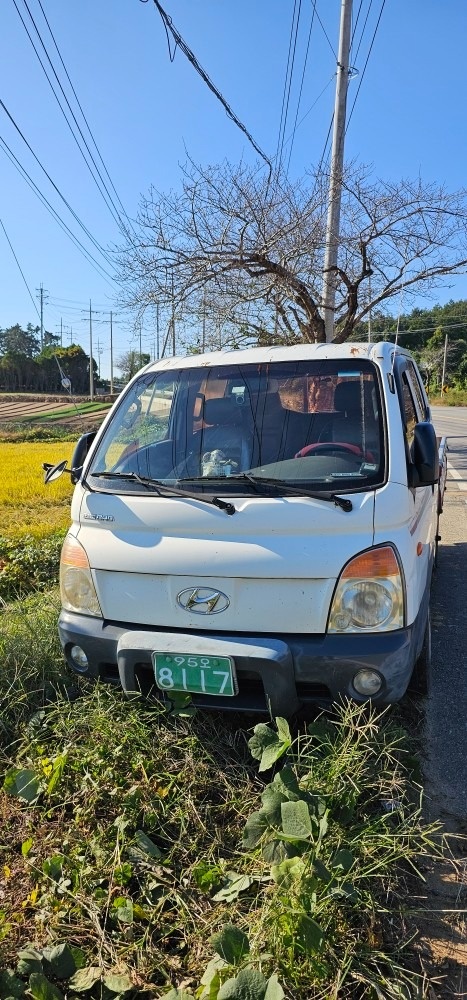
x: 246, y: 253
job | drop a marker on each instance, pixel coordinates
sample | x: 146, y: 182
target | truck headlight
x: 369, y: 595
x: 77, y: 589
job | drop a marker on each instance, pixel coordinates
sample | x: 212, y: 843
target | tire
x: 420, y: 680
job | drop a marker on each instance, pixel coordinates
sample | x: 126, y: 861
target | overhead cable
x: 86, y: 253
x: 366, y: 63
x: 52, y: 182
x: 288, y: 82
x: 108, y: 200
x: 20, y: 271
x: 295, y: 125
x: 181, y: 44
x: 82, y: 112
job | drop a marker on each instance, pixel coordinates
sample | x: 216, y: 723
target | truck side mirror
x: 424, y: 467
x: 81, y: 449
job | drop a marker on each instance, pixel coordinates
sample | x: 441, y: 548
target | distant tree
x: 130, y: 362
x: 15, y: 340
x: 237, y: 247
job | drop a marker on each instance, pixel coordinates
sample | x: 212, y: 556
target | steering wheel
x: 329, y: 446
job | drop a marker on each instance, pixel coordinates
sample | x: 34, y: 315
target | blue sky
x: 146, y: 111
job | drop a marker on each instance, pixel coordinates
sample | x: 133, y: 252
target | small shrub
x: 28, y: 564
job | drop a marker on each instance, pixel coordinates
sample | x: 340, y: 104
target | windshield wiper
x: 258, y: 481
x: 169, y: 491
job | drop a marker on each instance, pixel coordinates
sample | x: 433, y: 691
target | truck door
x: 422, y: 524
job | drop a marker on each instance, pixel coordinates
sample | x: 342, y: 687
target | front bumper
x: 277, y: 674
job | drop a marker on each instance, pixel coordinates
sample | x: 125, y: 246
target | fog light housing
x: 80, y: 660
x: 367, y: 682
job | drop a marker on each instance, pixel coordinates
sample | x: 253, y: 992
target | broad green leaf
x: 343, y: 859
x: 272, y: 799
x: 296, y: 821
x: 237, y: 884
x: 10, y: 985
x: 123, y: 909
x: 53, y: 867
x: 274, y: 989
x: 211, y: 980
x: 22, y: 783
x: 29, y: 960
x: 346, y: 890
x: 117, y: 983
x: 262, y: 737
x: 323, y: 826
x: 59, y: 961
x: 255, y: 827
x: 321, y: 871
x: 26, y: 846
x: 310, y: 934
x: 283, y: 730
x: 41, y: 989
x: 287, y: 783
x: 248, y: 985
x: 79, y: 957
x: 276, y: 850
x: 288, y: 872
x: 231, y: 944
x: 84, y: 979
x: 147, y: 845
x: 206, y: 876
x: 272, y: 753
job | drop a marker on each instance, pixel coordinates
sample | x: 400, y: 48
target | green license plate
x: 214, y: 675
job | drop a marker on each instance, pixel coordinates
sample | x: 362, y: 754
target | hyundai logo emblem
x: 202, y: 600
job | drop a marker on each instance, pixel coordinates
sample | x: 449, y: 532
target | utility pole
x: 337, y: 164
x: 157, y: 329
x: 41, y: 291
x: 91, y: 363
x: 444, y: 362
x: 61, y: 332
x: 111, y: 355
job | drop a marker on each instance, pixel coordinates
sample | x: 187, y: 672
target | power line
x: 288, y: 81
x: 295, y: 126
x: 81, y: 110
x: 52, y: 182
x: 20, y: 270
x: 181, y: 44
x: 366, y: 63
x: 108, y: 201
x: 80, y: 246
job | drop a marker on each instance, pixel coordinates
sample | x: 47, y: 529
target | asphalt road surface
x: 446, y: 706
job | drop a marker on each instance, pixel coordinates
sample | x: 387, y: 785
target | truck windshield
x: 316, y: 424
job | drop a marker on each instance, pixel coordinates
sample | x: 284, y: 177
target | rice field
x: 27, y: 505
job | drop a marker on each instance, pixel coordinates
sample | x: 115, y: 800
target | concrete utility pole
x: 111, y: 355
x: 41, y: 291
x: 157, y: 330
x: 337, y: 163
x: 91, y: 363
x: 444, y: 362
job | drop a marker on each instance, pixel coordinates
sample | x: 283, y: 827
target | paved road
x: 446, y: 708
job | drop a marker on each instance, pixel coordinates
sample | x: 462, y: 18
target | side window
x: 417, y: 389
x: 409, y: 409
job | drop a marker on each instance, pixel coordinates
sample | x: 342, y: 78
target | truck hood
x: 276, y: 559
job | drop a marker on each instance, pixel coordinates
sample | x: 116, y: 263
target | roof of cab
x: 382, y: 352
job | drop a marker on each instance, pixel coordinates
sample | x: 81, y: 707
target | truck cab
x: 257, y: 529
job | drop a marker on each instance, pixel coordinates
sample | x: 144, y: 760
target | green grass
x: 132, y: 837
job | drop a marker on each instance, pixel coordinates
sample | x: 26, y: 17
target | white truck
x: 258, y: 529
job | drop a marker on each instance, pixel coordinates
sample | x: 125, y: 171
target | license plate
x: 196, y: 674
